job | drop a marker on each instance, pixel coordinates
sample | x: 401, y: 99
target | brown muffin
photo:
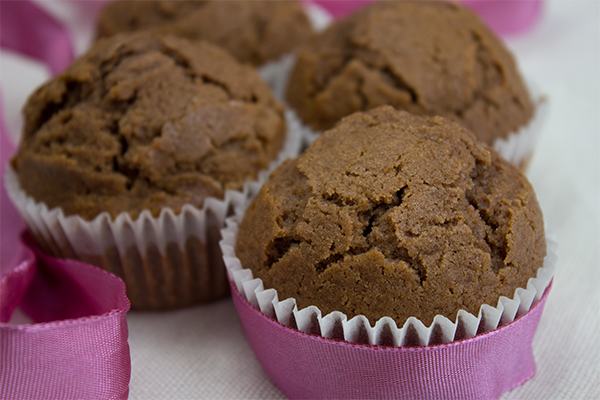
x: 253, y: 31
x: 391, y: 214
x: 144, y: 122
x: 132, y: 149
x: 427, y: 57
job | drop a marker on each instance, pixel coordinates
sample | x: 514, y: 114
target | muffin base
x: 168, y: 261
x: 177, y: 278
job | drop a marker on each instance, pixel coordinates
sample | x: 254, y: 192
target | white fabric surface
x: 201, y: 352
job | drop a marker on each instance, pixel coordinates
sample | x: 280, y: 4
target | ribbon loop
x: 77, y: 347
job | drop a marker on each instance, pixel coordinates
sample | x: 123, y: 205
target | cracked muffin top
x: 392, y: 214
x: 145, y: 122
x: 428, y: 57
x: 253, y: 31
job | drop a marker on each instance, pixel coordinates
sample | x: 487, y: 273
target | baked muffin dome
x: 427, y: 57
x: 253, y: 31
x: 147, y: 122
x: 391, y: 214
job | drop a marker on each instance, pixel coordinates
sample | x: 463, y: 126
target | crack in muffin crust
x: 411, y: 217
x: 384, y: 54
x: 147, y: 122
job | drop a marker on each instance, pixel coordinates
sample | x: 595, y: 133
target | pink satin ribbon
x: 77, y: 346
x: 306, y: 366
x: 27, y: 29
x: 505, y: 17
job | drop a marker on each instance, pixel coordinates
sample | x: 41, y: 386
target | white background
x: 201, y: 352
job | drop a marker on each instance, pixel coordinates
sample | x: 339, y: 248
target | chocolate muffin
x: 146, y: 122
x: 426, y: 57
x: 391, y: 214
x: 253, y: 31
x: 132, y: 158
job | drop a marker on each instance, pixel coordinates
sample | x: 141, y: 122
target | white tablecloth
x: 201, y: 352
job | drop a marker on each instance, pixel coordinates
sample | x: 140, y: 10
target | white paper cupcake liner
x: 518, y: 146
x: 167, y: 261
x: 385, y: 332
x: 276, y: 73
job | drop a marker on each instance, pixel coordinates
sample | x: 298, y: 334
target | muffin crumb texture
x: 145, y: 122
x: 429, y: 58
x: 391, y: 214
x: 252, y: 31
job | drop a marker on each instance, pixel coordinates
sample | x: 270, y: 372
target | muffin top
x: 253, y: 31
x: 391, y: 214
x: 145, y: 122
x: 427, y: 57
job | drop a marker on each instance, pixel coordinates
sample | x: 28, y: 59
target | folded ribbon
x: 77, y: 347
x: 29, y: 30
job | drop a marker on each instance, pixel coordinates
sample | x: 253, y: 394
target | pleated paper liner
x: 168, y: 261
x: 518, y: 147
